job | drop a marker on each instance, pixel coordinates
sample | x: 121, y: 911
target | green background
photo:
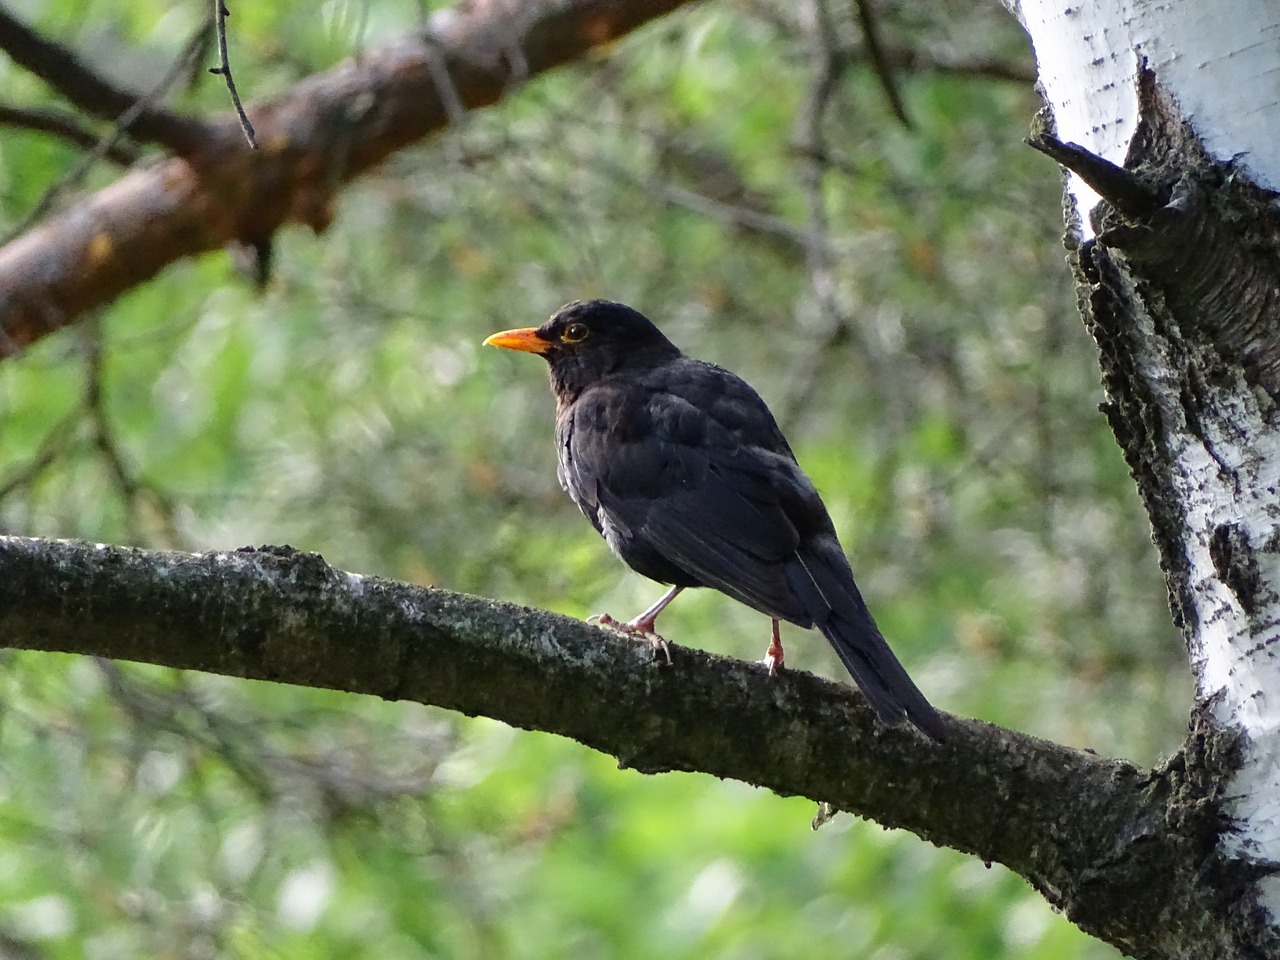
x: 899, y: 296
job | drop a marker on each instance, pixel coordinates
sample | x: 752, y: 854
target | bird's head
x: 590, y: 339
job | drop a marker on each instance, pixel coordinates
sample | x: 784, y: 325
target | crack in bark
x: 1237, y: 565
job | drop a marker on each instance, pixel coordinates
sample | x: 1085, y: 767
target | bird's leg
x: 773, y: 656
x: 644, y: 623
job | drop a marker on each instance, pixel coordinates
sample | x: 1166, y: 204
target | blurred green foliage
x: 898, y: 295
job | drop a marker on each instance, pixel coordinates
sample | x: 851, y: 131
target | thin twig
x: 56, y: 443
x: 879, y: 63
x: 133, y: 491
x: 446, y: 89
x: 986, y: 68
x: 450, y: 98
x: 737, y: 215
x: 751, y: 220
x: 812, y: 141
x: 223, y: 69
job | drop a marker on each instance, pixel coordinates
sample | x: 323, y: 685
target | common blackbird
x: 681, y: 467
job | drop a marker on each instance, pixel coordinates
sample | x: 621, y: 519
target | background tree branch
x: 67, y: 126
x: 325, y: 131
x: 1125, y: 853
x: 94, y: 94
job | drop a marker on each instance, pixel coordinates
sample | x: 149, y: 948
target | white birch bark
x: 1220, y: 61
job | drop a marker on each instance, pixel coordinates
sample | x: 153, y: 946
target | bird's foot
x: 660, y: 647
x: 639, y: 628
x: 774, y: 657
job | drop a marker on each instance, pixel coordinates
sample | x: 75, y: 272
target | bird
x: 682, y: 468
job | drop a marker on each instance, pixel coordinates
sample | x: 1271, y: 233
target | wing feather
x: 674, y: 482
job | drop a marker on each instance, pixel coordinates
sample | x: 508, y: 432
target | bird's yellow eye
x: 574, y: 333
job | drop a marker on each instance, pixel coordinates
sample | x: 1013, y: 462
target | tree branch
x: 879, y: 61
x: 912, y: 60
x: 65, y: 126
x: 1128, y: 855
x: 324, y: 132
x: 76, y: 174
x: 1123, y: 189
x: 95, y: 95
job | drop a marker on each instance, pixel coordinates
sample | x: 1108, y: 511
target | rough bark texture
x: 325, y: 131
x: 1183, y: 306
x: 1128, y: 854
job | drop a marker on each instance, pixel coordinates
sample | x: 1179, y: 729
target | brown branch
x: 95, y: 95
x: 324, y: 132
x: 65, y: 126
x: 1130, y: 856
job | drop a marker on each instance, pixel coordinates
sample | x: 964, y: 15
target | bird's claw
x: 774, y: 664
x: 659, y: 646
x: 632, y: 629
x: 773, y: 657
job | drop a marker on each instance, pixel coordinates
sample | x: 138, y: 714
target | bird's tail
x: 845, y: 621
x: 879, y: 675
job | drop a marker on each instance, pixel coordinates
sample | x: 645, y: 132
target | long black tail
x: 879, y: 675
x: 833, y: 602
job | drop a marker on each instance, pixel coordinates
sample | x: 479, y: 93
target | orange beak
x: 525, y: 338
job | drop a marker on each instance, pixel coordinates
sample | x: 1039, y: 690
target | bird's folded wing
x: 714, y: 511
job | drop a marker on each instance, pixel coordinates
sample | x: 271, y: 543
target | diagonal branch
x: 879, y: 60
x: 66, y: 126
x: 322, y: 133
x: 92, y: 93
x: 1128, y: 855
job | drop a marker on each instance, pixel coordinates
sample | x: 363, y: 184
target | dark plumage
x: 681, y: 467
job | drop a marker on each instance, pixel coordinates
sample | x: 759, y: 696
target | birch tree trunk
x: 1166, y: 115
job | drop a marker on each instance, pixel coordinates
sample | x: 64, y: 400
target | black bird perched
x: 681, y: 467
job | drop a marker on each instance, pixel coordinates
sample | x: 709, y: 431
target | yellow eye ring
x: 574, y: 333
